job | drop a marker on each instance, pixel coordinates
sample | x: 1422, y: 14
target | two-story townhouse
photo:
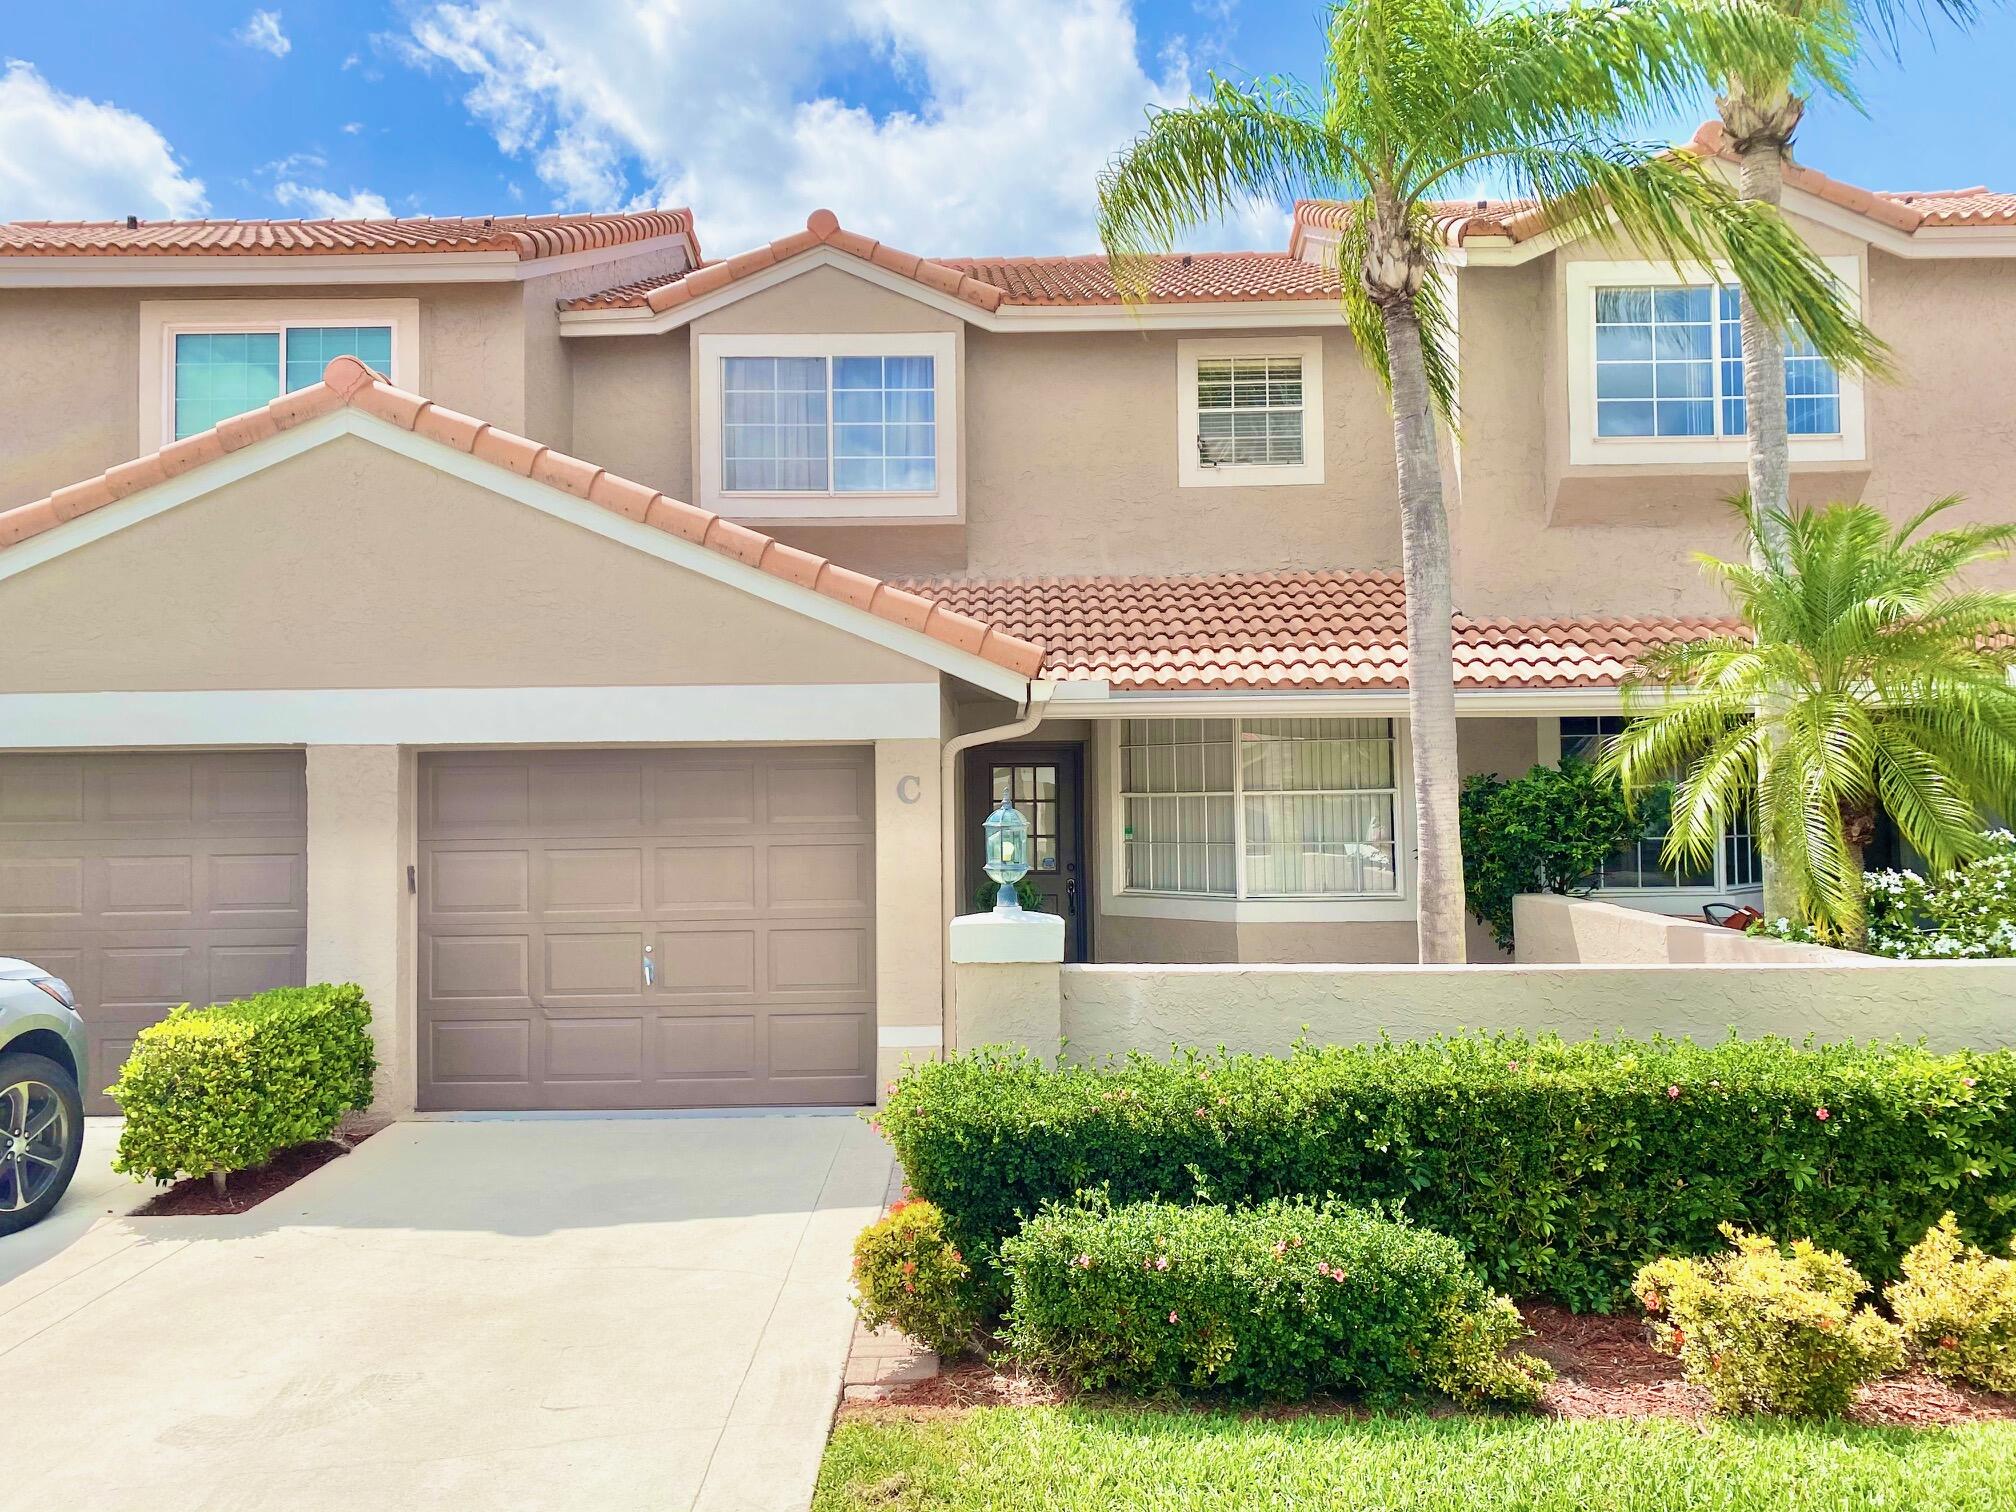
x: 623, y: 711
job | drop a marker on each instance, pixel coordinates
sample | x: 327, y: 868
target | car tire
x: 17, y: 1074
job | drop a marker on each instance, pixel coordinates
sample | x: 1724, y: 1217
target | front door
x: 1043, y: 783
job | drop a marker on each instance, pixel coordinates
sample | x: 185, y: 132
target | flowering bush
x: 1968, y: 914
x: 1764, y: 1329
x: 1275, y: 1301
x: 1560, y: 1168
x: 908, y: 1274
x: 1957, y: 1307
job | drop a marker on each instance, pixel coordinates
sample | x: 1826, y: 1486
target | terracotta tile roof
x: 1906, y: 210
x: 990, y: 282
x: 527, y: 236
x: 822, y: 228
x: 346, y: 381
x: 1306, y: 631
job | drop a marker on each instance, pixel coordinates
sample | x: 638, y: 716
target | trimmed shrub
x: 910, y: 1277
x: 1545, y: 832
x: 1560, y: 1168
x: 208, y: 1091
x: 1957, y: 1307
x: 1764, y: 1329
x: 1277, y: 1301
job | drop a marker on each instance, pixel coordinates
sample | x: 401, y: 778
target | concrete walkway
x: 512, y: 1314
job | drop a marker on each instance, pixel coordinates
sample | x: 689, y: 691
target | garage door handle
x: 649, y: 974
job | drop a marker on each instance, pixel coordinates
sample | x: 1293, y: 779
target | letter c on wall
x: 908, y: 789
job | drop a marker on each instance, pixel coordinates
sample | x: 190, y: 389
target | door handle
x: 650, y: 974
x: 1071, y: 895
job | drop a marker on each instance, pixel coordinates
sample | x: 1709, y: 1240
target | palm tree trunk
x: 1431, y: 673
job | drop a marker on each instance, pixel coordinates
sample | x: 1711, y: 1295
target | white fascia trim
x: 691, y: 714
x: 1580, y: 282
x: 150, y: 502
x: 1217, y: 314
x: 1089, y: 700
x: 183, y: 271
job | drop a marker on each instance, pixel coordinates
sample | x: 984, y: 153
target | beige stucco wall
x: 1110, y: 1010
x: 71, y: 389
x: 1552, y: 929
x: 360, y: 916
x: 548, y: 365
x: 351, y: 566
x: 909, y: 927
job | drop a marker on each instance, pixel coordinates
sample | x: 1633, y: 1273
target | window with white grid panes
x: 1260, y: 808
x: 1249, y: 411
x: 1637, y: 865
x: 1032, y: 788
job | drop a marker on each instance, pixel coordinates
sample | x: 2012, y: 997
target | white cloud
x: 352, y: 128
x: 358, y: 204
x: 262, y: 30
x: 66, y: 157
x: 719, y: 107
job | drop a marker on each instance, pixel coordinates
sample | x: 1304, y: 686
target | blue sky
x: 927, y: 122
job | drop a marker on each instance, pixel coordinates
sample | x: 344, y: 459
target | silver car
x: 42, y: 1054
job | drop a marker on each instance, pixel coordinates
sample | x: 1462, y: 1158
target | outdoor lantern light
x: 1007, y: 854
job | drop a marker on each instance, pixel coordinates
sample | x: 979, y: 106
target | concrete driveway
x: 512, y: 1313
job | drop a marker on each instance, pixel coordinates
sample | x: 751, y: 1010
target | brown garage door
x: 548, y: 879
x: 147, y: 881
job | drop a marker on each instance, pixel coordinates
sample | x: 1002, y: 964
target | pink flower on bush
x: 1172, y: 1317
x: 1966, y: 1081
x: 1083, y: 1262
x: 1672, y: 1092
x: 1822, y: 1114
x: 1161, y: 1262
x: 1512, y: 1065
x: 1203, y: 1113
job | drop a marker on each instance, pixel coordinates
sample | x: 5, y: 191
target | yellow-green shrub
x: 1765, y: 1329
x: 1957, y: 1306
x: 212, y: 1090
x: 910, y: 1276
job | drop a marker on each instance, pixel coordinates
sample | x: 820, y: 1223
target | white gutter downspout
x: 1040, y: 691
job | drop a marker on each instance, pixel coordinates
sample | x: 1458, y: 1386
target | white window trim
x: 1190, y: 471
x: 1116, y: 900
x: 785, y: 507
x: 1586, y: 448
x: 162, y: 320
x: 1659, y: 900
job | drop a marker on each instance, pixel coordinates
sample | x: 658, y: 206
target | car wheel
x: 41, y: 1136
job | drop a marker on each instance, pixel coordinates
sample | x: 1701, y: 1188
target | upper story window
x: 204, y: 360
x: 1260, y: 808
x: 829, y: 427
x: 222, y: 373
x: 1249, y: 412
x: 1655, y: 370
x: 1638, y: 866
x: 1669, y: 362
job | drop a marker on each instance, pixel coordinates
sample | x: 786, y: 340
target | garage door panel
x: 750, y: 875
x: 602, y: 880
x: 702, y: 877
x: 151, y: 880
x: 478, y: 966
x: 466, y: 882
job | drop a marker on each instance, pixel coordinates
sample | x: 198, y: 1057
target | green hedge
x: 213, y: 1090
x: 1560, y: 1168
x: 1281, y: 1301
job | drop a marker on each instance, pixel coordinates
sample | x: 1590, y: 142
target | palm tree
x: 1760, y: 102
x: 1873, y: 681
x: 1419, y: 97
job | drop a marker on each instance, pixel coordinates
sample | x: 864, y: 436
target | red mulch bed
x: 1608, y: 1369
x: 195, y: 1197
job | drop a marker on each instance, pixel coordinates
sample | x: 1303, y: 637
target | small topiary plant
x: 1545, y: 832
x: 1765, y: 1329
x: 208, y: 1091
x: 1281, y: 1301
x: 1957, y: 1307
x: 910, y: 1276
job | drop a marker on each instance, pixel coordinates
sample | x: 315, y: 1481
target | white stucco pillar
x: 909, y: 951
x: 360, y: 914
x: 1007, y: 981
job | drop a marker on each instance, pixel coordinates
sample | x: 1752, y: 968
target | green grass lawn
x: 1078, y: 1459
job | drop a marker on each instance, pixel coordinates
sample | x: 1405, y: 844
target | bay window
x: 1260, y: 808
